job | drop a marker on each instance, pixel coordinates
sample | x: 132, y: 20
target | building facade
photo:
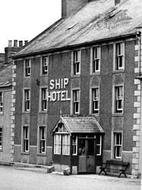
x: 77, y: 78
x: 7, y: 106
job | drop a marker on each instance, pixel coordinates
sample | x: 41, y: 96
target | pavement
x: 25, y: 177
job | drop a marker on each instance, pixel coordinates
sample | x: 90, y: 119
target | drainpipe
x: 138, y: 37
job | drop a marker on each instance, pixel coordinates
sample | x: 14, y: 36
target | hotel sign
x: 57, y: 90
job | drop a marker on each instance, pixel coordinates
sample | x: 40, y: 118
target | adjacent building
x: 77, y: 88
x: 7, y: 106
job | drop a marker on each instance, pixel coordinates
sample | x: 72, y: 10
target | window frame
x: 42, y: 100
x: 95, y: 59
x: 74, y: 144
x: 73, y: 103
x: 57, y: 144
x: 26, y: 100
x: 1, y: 137
x: 99, y: 145
x: 117, y: 98
x: 119, y: 145
x: 25, y: 139
x: 27, y: 69
x: 44, y: 71
x: 42, y: 139
x: 93, y: 100
x: 1, y: 102
x: 76, y: 62
x: 119, y: 56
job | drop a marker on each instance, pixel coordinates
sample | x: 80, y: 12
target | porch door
x: 86, y: 151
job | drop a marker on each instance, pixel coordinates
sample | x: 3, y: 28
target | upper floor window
x: 27, y: 67
x: 95, y: 100
x: 76, y: 62
x: 26, y: 102
x: 1, y: 138
x: 76, y: 102
x: 1, y: 102
x: 42, y: 139
x: 117, y: 145
x: 96, y: 58
x: 119, y: 56
x: 25, y: 139
x: 43, y: 100
x: 44, y: 65
x: 118, y: 99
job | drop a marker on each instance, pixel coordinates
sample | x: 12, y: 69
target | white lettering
x: 66, y: 81
x: 52, y: 86
x: 57, y: 84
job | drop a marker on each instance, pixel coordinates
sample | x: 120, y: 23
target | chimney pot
x: 9, y: 43
x: 117, y: 2
x: 20, y: 43
x: 26, y: 41
x: 15, y: 43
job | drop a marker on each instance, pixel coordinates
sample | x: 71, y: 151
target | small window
x: 42, y: 140
x: 96, y: 57
x: 1, y: 102
x: 1, y: 138
x: 99, y: 145
x: 25, y: 139
x: 119, y: 56
x: 26, y: 100
x: 76, y: 62
x: 57, y: 144
x: 117, y: 145
x: 65, y: 144
x: 43, y: 102
x: 74, y: 145
x: 27, y: 67
x: 44, y: 65
x: 119, y: 96
x: 95, y: 100
x: 76, y: 101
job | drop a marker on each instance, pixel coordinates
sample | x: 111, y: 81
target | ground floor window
x: 25, y: 143
x: 99, y: 145
x: 42, y: 139
x: 57, y: 144
x: 117, y: 145
x: 1, y: 138
x: 62, y: 144
x: 74, y: 145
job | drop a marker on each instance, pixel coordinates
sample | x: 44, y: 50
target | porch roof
x: 80, y: 125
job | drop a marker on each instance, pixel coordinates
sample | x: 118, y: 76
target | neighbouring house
x: 7, y: 105
x: 78, y: 88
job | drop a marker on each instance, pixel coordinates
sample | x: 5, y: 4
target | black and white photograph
x: 71, y: 95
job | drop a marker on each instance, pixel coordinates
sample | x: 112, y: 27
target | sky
x: 25, y: 19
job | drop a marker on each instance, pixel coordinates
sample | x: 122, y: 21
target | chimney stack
x: 26, y: 41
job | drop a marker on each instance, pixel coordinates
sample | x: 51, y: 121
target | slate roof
x: 81, y: 125
x: 6, y: 76
x: 97, y: 20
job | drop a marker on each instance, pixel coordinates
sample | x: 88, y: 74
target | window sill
x: 96, y: 73
x: 118, y: 114
x: 25, y: 153
x: 118, y: 71
x: 41, y: 154
x: 75, y: 76
x: 44, y: 112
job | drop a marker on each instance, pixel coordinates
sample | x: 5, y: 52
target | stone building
x: 78, y: 88
x: 7, y: 105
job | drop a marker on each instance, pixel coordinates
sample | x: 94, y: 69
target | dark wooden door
x: 86, y: 160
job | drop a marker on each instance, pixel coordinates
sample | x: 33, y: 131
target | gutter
x: 70, y: 47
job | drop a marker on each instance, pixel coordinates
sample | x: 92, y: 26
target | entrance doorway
x: 87, y: 152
